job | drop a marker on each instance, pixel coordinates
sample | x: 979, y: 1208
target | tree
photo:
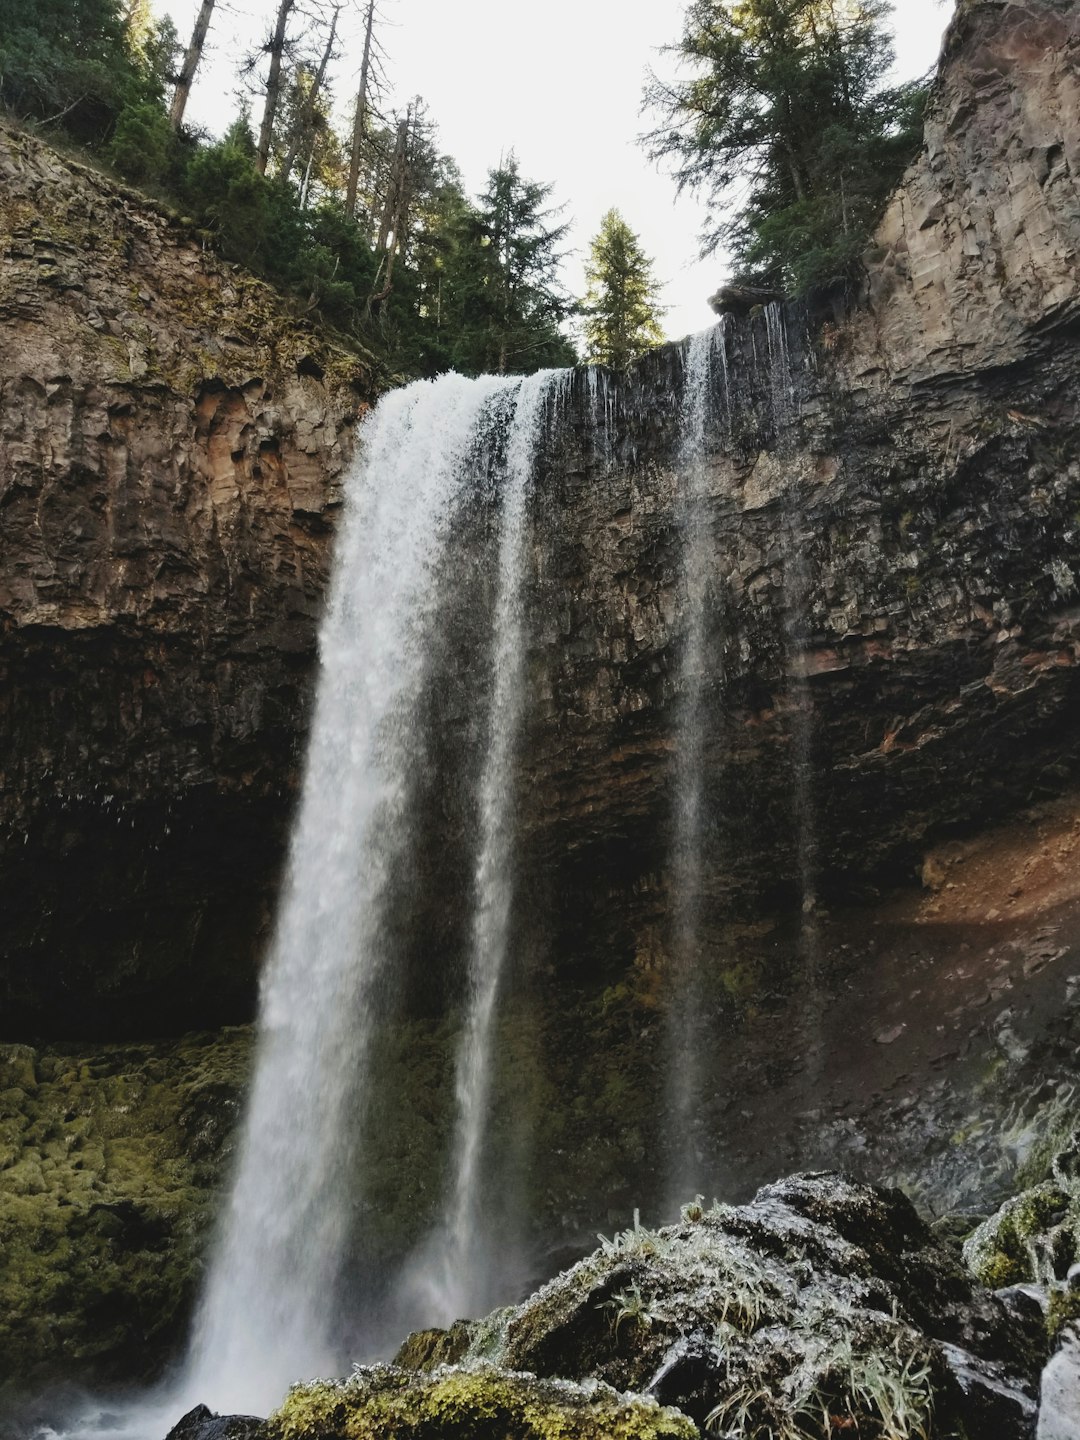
x: 622, y: 313
x: 786, y: 124
x: 360, y: 112
x: 510, y: 304
x: 69, y: 63
x: 275, y: 48
x: 309, y: 114
x: 192, y: 56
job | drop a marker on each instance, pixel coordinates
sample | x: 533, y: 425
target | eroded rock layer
x: 171, y: 445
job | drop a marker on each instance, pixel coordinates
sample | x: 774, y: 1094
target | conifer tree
x: 782, y: 120
x: 513, y: 302
x: 192, y: 57
x: 622, y: 313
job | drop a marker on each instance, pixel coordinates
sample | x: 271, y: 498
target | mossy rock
x: 469, y: 1404
x: 429, y: 1349
x: 109, y: 1160
x: 1063, y: 1310
x: 1035, y: 1236
x: 821, y: 1295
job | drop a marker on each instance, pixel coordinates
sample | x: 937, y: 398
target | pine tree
x: 68, y: 63
x: 622, y: 313
x: 785, y: 123
x: 512, y: 302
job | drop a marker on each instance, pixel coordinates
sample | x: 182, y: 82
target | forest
x: 781, y: 119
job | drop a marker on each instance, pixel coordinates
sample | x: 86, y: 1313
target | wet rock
x: 202, y: 1424
x: 1059, y: 1403
x: 819, y: 1297
x: 1035, y: 1236
x: 996, y: 1402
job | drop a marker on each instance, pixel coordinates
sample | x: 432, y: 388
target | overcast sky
x: 559, y: 82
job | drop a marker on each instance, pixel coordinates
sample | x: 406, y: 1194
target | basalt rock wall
x: 890, y: 511
x: 171, y: 446
x: 891, y: 515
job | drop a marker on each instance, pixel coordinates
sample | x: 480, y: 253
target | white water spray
x: 454, y: 1273
x: 268, y: 1315
x: 686, y: 1041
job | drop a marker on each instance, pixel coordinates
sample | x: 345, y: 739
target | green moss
x: 475, y: 1404
x: 108, y: 1164
x: 1023, y: 1241
x: 1063, y: 1310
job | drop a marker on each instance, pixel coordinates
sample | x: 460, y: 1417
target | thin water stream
x: 705, y: 361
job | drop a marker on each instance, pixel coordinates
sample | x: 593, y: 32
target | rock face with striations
x: 171, y: 442
x: 889, y: 516
x: 891, y: 529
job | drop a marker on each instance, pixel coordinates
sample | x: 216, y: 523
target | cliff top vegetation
x: 779, y: 114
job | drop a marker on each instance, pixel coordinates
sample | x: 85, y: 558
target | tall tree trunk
x: 360, y: 117
x: 395, y: 182
x: 192, y: 57
x: 395, y: 214
x: 273, y: 85
x: 306, y: 119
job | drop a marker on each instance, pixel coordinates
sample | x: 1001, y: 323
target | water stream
x: 796, y: 586
x: 268, y: 1314
x: 456, y: 1272
x: 705, y: 359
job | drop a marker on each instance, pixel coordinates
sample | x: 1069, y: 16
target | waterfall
x: 796, y: 583
x: 686, y: 1037
x: 455, y: 1273
x: 268, y: 1314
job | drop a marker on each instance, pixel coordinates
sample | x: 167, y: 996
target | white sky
x: 557, y: 81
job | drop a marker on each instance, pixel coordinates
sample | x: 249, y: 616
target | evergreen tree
x: 68, y: 60
x: 786, y: 112
x: 511, y: 302
x: 622, y: 313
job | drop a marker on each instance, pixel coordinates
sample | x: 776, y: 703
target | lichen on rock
x: 478, y: 1403
x: 821, y: 1303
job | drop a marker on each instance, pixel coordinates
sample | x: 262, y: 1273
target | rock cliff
x: 171, y: 442
x: 889, y: 516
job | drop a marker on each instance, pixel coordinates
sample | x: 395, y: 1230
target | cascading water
x: 268, y: 1314
x: 796, y: 582
x: 686, y: 1040
x: 455, y: 1274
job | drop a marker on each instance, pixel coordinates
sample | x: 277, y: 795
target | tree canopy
x: 785, y: 125
x: 622, y: 312
x: 373, y: 231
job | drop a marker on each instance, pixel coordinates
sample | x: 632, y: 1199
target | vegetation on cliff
x: 784, y: 122
x: 374, y: 232
x: 622, y: 306
x: 109, y: 1159
x: 397, y: 257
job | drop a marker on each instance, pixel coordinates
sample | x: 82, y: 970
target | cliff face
x: 891, y: 534
x: 171, y: 442
x: 888, y: 518
x: 977, y: 253
x: 891, y: 545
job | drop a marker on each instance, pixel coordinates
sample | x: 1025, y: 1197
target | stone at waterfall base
x: 1059, y: 1406
x: 202, y: 1424
x: 482, y: 1403
x: 821, y: 1306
